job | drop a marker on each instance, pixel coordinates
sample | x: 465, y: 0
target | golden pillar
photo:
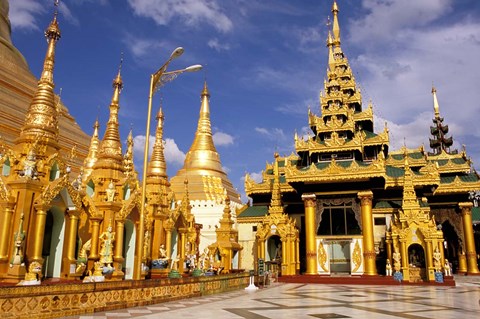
x: 95, y: 237
x: 404, y: 262
x: 72, y: 235
x: 181, y: 251
x: 119, y: 227
x: 284, y: 264
x: 472, y: 267
x: 6, y: 230
x: 442, y: 251
x: 293, y: 257
x: 297, y: 255
x: 38, y: 233
x: 462, y: 262
x: 388, y: 245
x: 369, y: 254
x: 309, y: 201
x: 168, y: 243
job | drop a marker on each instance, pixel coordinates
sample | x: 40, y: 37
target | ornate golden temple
x: 70, y: 204
x: 345, y: 203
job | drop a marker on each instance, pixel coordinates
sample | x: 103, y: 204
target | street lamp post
x: 157, y: 80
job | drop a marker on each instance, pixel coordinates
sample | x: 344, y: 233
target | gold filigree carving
x: 357, y: 256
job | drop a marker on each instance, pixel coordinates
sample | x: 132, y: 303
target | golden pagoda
x: 77, y: 218
x: 17, y: 88
x: 354, y: 202
x: 207, y: 181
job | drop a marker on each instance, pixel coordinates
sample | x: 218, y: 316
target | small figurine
x: 388, y: 268
x: 106, y: 251
x: 447, y: 268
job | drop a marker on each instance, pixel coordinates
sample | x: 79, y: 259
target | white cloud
x: 226, y: 169
x: 386, y: 18
x: 216, y: 45
x: 23, y: 14
x: 256, y: 176
x: 397, y: 72
x: 222, y: 139
x: 139, y: 145
x: 191, y: 12
x: 172, y: 153
x: 272, y: 133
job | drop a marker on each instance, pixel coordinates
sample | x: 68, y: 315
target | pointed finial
x: 436, y: 108
x: 336, y: 25
x: 205, y: 90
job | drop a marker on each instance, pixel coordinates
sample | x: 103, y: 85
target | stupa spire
x: 436, y: 108
x: 202, y: 153
x: 331, y: 59
x: 110, y: 155
x: 440, y: 141
x: 336, y: 25
x: 128, y: 157
x: 42, y: 116
x: 92, y: 156
x: 276, y: 200
x: 157, y: 165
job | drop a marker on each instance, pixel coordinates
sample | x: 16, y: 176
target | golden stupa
x: 17, y: 87
x: 202, y: 166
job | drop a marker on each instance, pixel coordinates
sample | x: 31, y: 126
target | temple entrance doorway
x: 274, y: 255
x: 339, y: 252
x: 53, y: 243
x: 128, y: 249
x: 451, y: 244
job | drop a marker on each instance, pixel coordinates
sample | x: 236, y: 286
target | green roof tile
x: 394, y: 171
x: 254, y: 211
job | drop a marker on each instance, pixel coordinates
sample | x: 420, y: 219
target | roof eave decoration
x: 457, y: 187
x: 336, y: 173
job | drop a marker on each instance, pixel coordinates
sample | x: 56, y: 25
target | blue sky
x: 265, y: 62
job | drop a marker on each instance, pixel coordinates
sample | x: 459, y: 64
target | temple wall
x: 74, y: 299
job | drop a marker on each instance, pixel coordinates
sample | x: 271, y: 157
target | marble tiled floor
x: 297, y: 301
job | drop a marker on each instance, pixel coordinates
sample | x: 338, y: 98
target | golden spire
x: 91, y: 158
x: 336, y: 25
x: 157, y: 165
x: 276, y: 201
x: 331, y: 59
x: 110, y: 155
x: 42, y: 116
x: 409, y: 196
x: 202, y: 153
x: 436, y: 108
x: 128, y: 157
x: 202, y: 163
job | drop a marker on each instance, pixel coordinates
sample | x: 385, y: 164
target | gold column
x: 284, y: 265
x: 369, y: 254
x: 38, y: 233
x: 429, y: 260
x: 95, y: 234
x: 119, y: 227
x: 292, y: 256
x: 297, y: 255
x: 309, y: 201
x: 168, y: 244
x: 72, y: 235
x: 442, y: 251
x: 472, y: 267
x: 404, y: 256
x: 181, y: 250
x: 261, y: 250
x: 462, y: 263
x: 388, y: 245
x: 5, y: 230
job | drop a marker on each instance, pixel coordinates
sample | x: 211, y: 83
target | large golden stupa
x: 359, y: 207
